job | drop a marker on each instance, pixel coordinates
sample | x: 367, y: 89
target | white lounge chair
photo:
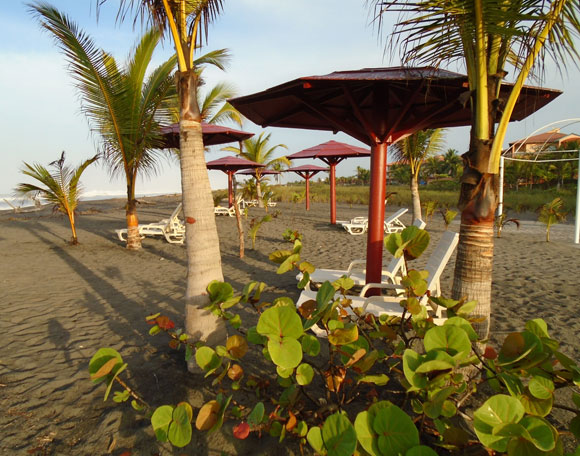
x: 391, y: 304
x: 357, y: 269
x: 358, y: 225
x: 220, y: 210
x: 172, y: 229
x: 393, y: 224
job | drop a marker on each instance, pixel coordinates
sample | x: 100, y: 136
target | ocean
x: 9, y: 202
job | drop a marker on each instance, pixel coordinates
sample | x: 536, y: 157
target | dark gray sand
x: 60, y: 303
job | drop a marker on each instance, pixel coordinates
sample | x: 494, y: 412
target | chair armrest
x: 390, y: 286
x: 355, y: 263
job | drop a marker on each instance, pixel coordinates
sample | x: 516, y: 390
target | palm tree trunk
x: 416, y: 198
x: 259, y: 193
x: 71, y: 218
x: 133, y: 237
x: 473, y: 268
x: 202, y: 242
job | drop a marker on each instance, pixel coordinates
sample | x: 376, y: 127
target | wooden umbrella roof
x: 230, y: 163
x: 376, y: 104
x: 331, y: 149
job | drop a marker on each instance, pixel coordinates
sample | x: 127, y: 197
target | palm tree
x: 122, y: 105
x: 187, y: 23
x: 258, y: 150
x: 414, y: 149
x: 60, y: 188
x: 451, y: 163
x: 488, y: 38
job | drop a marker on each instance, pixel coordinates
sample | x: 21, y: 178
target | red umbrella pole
x: 307, y: 177
x: 230, y: 188
x: 332, y: 193
x: 376, y: 213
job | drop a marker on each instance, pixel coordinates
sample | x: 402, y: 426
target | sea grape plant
x: 374, y: 384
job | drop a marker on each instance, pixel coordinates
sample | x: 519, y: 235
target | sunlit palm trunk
x: 259, y: 193
x: 202, y: 242
x: 133, y: 237
x: 71, y: 217
x: 473, y: 267
x: 416, y: 198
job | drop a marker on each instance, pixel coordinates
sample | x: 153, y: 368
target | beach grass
x: 522, y: 200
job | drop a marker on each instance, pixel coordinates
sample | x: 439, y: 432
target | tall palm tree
x: 186, y: 21
x: 122, y: 105
x: 61, y: 187
x: 451, y: 163
x: 414, y: 149
x: 489, y: 38
x: 259, y: 150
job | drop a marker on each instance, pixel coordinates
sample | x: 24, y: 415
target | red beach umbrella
x: 230, y: 165
x: 332, y: 153
x: 212, y: 135
x: 306, y: 172
x: 377, y: 106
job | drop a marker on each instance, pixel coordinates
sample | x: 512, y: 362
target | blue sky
x: 270, y: 42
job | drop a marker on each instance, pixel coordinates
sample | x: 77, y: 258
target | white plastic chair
x: 220, y: 210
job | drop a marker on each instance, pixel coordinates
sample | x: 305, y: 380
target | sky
x: 270, y: 42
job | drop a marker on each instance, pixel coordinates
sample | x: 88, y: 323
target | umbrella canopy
x: 263, y: 172
x: 212, y: 135
x: 332, y: 153
x: 306, y: 172
x: 377, y: 106
x: 230, y: 165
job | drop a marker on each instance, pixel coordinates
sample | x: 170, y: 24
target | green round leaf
x: 541, y: 387
x: 420, y: 450
x: 314, y: 438
x: 280, y: 322
x: 219, y: 291
x: 284, y: 372
x: 253, y: 337
x: 463, y: 324
x: 304, y: 374
x: 339, y: 435
x: 207, y: 358
x: 310, y: 345
x: 411, y: 362
x: 180, y: 428
x: 256, y: 415
x: 451, y: 339
x: 285, y: 352
x: 417, y: 243
x: 497, y: 411
x: 160, y: 420
x: 102, y: 367
x: 435, y: 360
x: 396, y: 431
x: 363, y: 425
x: 535, y: 406
x: 539, y: 433
x: 344, y: 336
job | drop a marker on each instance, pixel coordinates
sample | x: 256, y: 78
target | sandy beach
x: 60, y: 303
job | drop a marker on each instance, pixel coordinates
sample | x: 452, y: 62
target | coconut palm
x: 61, y: 187
x: 414, y: 149
x: 186, y: 21
x: 488, y: 38
x: 122, y: 105
x: 259, y: 150
x: 451, y: 163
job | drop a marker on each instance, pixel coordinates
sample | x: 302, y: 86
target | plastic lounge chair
x: 357, y: 226
x: 272, y: 203
x: 220, y: 210
x: 391, y: 304
x: 393, y: 224
x: 172, y: 229
x: 357, y: 269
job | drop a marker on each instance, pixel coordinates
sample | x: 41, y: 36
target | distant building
x: 550, y: 140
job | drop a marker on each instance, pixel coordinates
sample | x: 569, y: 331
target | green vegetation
x: 61, y: 187
x: 388, y: 384
x: 522, y: 200
x: 551, y: 213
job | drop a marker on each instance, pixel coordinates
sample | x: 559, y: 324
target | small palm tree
x: 258, y: 150
x: 414, y: 150
x: 122, y: 105
x: 551, y: 213
x: 60, y: 187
